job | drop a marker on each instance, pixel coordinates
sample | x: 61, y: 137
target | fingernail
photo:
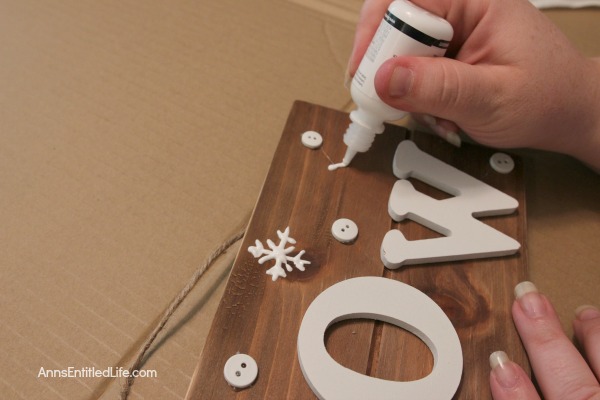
x: 453, y: 138
x: 448, y: 135
x: 347, y: 79
x: 400, y: 82
x: 530, y: 300
x: 503, y: 370
x: 429, y: 120
x: 350, y: 67
x: 587, y: 312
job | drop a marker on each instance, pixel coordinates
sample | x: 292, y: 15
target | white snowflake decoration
x: 279, y: 253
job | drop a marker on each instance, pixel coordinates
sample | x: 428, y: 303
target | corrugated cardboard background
x: 135, y: 136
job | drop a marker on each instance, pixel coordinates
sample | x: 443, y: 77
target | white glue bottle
x: 405, y: 30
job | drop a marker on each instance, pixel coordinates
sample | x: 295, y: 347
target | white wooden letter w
x: 465, y: 236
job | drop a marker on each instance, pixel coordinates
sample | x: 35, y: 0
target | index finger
x: 370, y: 17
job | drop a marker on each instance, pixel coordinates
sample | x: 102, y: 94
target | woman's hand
x: 562, y: 373
x: 512, y: 79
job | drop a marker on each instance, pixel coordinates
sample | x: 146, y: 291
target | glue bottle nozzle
x: 345, y: 162
x: 348, y: 156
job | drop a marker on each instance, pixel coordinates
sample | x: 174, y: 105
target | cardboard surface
x: 135, y: 137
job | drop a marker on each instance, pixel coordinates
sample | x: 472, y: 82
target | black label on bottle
x: 413, y: 32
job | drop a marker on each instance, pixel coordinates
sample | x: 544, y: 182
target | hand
x: 515, y: 80
x: 561, y: 372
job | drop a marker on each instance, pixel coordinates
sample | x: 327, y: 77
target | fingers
x: 445, y: 129
x: 372, y: 12
x: 370, y: 17
x: 508, y: 381
x: 446, y: 88
x: 561, y: 371
x: 587, y: 331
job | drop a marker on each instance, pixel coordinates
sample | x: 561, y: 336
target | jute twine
x: 135, y: 366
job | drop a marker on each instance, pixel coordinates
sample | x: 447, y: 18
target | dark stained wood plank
x: 262, y: 318
x: 476, y: 295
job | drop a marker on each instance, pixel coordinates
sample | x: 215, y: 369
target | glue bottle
x: 405, y: 30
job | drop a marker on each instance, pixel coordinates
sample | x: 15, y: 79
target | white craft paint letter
x: 385, y: 300
x: 465, y: 236
x: 405, y: 30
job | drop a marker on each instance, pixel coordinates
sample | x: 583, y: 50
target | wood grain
x: 262, y: 318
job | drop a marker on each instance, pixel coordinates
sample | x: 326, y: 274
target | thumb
x: 446, y: 88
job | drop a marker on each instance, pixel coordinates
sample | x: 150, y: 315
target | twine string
x: 175, y: 303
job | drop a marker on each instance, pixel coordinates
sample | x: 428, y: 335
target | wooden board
x: 262, y: 318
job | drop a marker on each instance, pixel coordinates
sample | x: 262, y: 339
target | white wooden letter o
x: 392, y: 302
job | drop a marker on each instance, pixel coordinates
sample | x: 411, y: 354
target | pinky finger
x: 587, y: 331
x: 508, y: 381
x: 445, y: 129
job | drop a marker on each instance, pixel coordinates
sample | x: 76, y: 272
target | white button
x: 240, y: 371
x: 502, y: 163
x: 312, y: 139
x: 344, y: 230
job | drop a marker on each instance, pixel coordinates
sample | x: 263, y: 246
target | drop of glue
x: 350, y: 153
x: 333, y: 167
